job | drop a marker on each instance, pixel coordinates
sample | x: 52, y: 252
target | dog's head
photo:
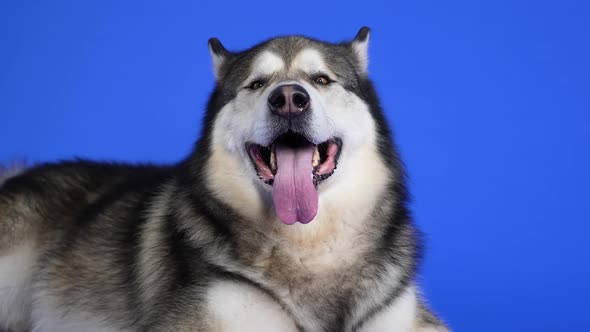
x: 289, y: 121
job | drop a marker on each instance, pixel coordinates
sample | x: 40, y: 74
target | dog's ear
x: 360, y: 46
x: 219, y: 55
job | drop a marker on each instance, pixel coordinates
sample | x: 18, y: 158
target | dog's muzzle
x: 293, y: 163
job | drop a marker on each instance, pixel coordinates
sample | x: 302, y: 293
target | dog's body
x: 213, y: 243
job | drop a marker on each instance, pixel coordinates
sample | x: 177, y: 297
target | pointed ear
x: 360, y: 46
x: 218, y: 55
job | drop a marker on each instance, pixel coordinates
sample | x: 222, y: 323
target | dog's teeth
x: 315, y: 160
x: 273, y: 160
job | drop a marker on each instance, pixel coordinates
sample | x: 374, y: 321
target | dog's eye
x: 323, y: 80
x: 255, y: 85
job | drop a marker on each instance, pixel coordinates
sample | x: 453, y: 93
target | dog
x: 290, y: 214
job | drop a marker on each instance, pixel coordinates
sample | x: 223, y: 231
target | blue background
x: 489, y: 101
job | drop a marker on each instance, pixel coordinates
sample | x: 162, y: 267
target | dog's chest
x: 318, y: 288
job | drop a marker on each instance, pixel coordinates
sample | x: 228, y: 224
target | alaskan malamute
x: 290, y: 215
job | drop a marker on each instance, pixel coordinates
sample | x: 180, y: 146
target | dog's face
x: 291, y: 114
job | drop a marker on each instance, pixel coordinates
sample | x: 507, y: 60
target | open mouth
x: 294, y: 167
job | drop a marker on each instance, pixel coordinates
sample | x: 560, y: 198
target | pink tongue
x: 293, y: 192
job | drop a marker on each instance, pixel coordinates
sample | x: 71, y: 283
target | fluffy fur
x: 198, y: 246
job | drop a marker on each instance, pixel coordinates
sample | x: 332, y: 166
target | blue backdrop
x: 489, y: 101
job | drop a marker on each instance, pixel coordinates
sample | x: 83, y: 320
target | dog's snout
x: 288, y: 100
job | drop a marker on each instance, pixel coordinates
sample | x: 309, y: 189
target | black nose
x: 289, y: 100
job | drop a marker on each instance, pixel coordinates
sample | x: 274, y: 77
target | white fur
x: 378, y: 292
x: 237, y: 307
x: 266, y: 64
x: 400, y: 316
x: 234, y: 306
x: 310, y: 60
x: 15, y: 287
